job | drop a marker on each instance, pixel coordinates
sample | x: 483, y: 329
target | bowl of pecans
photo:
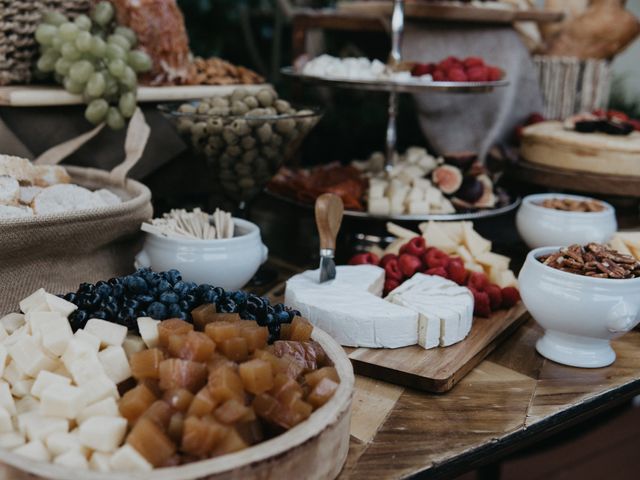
x: 549, y: 219
x: 583, y: 297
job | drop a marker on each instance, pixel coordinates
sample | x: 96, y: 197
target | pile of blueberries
x: 146, y: 293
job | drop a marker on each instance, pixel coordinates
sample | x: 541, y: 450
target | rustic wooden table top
x: 512, y: 399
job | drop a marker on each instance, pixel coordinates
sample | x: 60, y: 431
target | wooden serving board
x: 439, y: 369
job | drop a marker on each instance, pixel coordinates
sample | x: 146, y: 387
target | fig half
x: 448, y: 178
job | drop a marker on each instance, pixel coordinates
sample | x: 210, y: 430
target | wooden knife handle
x: 329, y: 212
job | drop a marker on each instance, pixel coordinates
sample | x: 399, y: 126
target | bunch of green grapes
x: 95, y: 58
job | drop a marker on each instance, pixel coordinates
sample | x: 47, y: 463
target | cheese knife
x: 329, y: 212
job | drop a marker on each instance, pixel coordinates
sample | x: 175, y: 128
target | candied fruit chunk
x: 251, y: 431
x: 151, y: 442
x: 177, y: 373
x: 286, y: 389
x: 277, y: 364
x: 225, y: 384
x: 235, y: 349
x: 309, y: 355
x: 136, y: 402
x: 322, y: 392
x: 302, y: 408
x: 232, y: 442
x: 218, y: 360
x: 221, y: 331
x: 203, y: 315
x: 145, y: 364
x: 201, y: 435
x: 159, y: 413
x: 256, y: 375
x: 176, y: 342
x: 179, y: 399
x: 271, y: 410
x: 176, y: 427
x: 228, y: 317
x: 256, y: 337
x: 231, y: 411
x: 248, y: 324
x: 152, y: 384
x: 265, y: 405
x: 285, y: 331
x: 301, y: 329
x: 197, y: 347
x: 202, y: 404
x: 313, y: 378
x: 168, y: 328
x: 292, y: 366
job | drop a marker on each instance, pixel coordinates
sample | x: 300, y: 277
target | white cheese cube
x: 379, y: 206
x: 99, y: 388
x: 148, y: 331
x: 18, y: 334
x: 56, y: 335
x: 12, y: 322
x: 12, y: 373
x: 62, y: 371
x: 133, y: 344
x: 36, y: 301
x: 115, y: 364
x: 27, y: 404
x: 81, y: 360
x: 60, y: 305
x: 6, y: 399
x: 3, y: 333
x: 100, y: 462
x: 103, y: 434
x: 64, y: 401
x: 46, y: 379
x: 415, y: 194
x: 377, y: 188
x: 6, y: 426
x: 107, y: 407
x: 34, y: 450
x: 39, y: 427
x: 476, y: 244
x: 4, y: 355
x: 428, y: 330
x: 29, y: 357
x: 89, y: 339
x: 12, y: 440
x: 508, y: 279
x: 108, y: 333
x: 22, y: 387
x: 61, y: 442
x: 36, y: 319
x: 72, y: 459
x: 418, y: 207
x: 127, y: 459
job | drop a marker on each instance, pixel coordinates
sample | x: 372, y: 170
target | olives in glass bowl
x: 245, y: 137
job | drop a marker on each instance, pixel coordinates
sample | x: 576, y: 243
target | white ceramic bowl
x: 227, y: 263
x: 544, y: 227
x: 580, y: 314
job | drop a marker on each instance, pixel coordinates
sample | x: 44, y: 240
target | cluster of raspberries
x: 452, y: 69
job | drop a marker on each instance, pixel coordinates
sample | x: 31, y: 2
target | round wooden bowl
x: 314, y: 450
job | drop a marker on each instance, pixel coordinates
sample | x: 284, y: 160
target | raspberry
x: 440, y: 271
x: 495, y: 296
x: 478, y: 281
x: 478, y: 74
x: 436, y: 258
x: 409, y: 264
x: 510, y: 297
x: 457, y: 75
x: 617, y: 115
x: 385, y: 259
x: 456, y: 271
x: 392, y: 270
x: 416, y: 247
x: 449, y: 63
x: 390, y: 284
x: 473, y: 62
x: 482, y: 304
x: 439, y: 76
x: 495, y: 74
x: 635, y: 124
x: 420, y: 69
x: 364, y: 259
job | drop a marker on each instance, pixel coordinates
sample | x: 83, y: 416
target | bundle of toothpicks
x: 180, y: 224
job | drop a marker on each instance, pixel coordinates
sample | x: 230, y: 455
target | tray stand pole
x: 397, y: 31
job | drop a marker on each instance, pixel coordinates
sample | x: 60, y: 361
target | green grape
x: 68, y: 31
x: 127, y: 33
x: 96, y: 85
x: 45, y: 34
x: 119, y: 40
x: 129, y: 79
x: 84, y: 41
x: 139, y: 61
x: 47, y: 62
x: 96, y: 111
x: 70, y: 52
x: 83, y: 22
x: 127, y: 104
x: 115, y: 51
x: 63, y: 66
x: 54, y: 18
x: 57, y: 43
x: 103, y: 13
x: 117, y: 68
x: 73, y: 87
x: 81, y: 71
x: 115, y: 120
x: 98, y: 47
x: 112, y: 88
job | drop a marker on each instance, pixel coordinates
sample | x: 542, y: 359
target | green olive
x: 282, y: 106
x: 266, y: 97
x: 229, y: 136
x: 248, y: 142
x: 251, y: 102
x: 238, y: 94
x: 264, y: 133
x: 239, y: 108
x: 285, y: 126
x: 215, y: 126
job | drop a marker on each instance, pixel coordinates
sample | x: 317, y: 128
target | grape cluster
x: 94, y: 58
x: 146, y: 293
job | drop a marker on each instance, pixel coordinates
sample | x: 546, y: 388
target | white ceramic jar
x: 580, y: 315
x: 540, y: 226
x: 227, y: 263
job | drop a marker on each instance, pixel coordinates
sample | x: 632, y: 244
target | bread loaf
x: 65, y: 198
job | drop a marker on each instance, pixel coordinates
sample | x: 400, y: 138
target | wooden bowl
x: 315, y: 450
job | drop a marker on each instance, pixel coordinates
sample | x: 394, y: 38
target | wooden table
x: 511, y: 400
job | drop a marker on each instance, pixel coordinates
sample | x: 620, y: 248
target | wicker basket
x: 18, y: 22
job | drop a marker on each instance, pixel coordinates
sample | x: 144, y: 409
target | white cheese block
x: 56, y: 334
x: 3, y: 333
x: 4, y: 355
x: 29, y: 357
x: 110, y: 334
x: 148, y: 331
x: 99, y: 462
x: 27, y: 404
x: 72, y: 459
x: 127, y: 459
x: 88, y: 338
x: 22, y: 387
x: 379, y: 206
x: 365, y: 278
x: 12, y: 373
x: 133, y: 344
x: 36, y: 301
x: 99, y: 388
x: 64, y: 401
x: 61, y: 442
x: 115, y: 363
x: 6, y: 399
x: 106, y: 407
x: 81, y: 360
x: 17, y: 335
x: 39, y: 427
x: 12, y: 322
x: 12, y: 440
x: 103, y: 434
x: 6, y: 425
x: 60, y: 305
x: 34, y: 450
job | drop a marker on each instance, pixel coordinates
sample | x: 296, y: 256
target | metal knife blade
x: 327, y: 265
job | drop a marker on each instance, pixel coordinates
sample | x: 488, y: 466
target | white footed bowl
x: 580, y: 315
x: 544, y: 227
x: 227, y: 263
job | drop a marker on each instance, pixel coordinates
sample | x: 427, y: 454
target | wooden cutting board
x: 439, y: 369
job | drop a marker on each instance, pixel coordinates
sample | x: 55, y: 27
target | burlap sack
x: 58, y: 252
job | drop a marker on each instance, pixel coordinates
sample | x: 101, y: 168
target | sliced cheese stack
x: 58, y: 392
x: 426, y: 310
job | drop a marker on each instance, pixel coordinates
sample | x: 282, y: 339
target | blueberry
x: 114, y: 281
x: 157, y: 310
x: 278, y: 308
x: 136, y: 284
x: 111, y: 309
x: 71, y: 297
x: 174, y: 276
x: 239, y: 297
x: 181, y: 288
x: 126, y: 315
x: 132, y: 303
x: 86, y: 288
x: 101, y: 314
x: 183, y: 316
x: 219, y: 291
x: 163, y: 285
x: 89, y: 301
x: 183, y: 305
x: 118, y: 290
x: 141, y: 313
x: 104, y: 289
x: 270, y: 319
x: 78, y: 319
x: 174, y: 310
x: 227, y: 306
x: 144, y: 298
x: 282, y: 317
x: 208, y: 297
x: 274, y: 333
x: 169, y: 297
x: 204, y: 287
